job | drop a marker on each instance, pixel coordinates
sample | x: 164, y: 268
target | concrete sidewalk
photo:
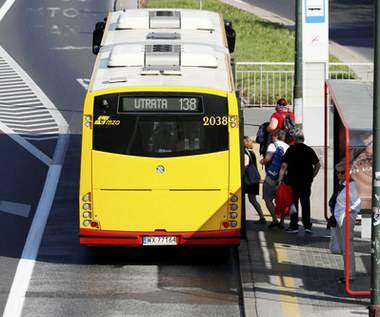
x: 295, y: 274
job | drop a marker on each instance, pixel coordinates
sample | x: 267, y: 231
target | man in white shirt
x: 272, y: 161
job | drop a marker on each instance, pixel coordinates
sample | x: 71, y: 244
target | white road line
x: 26, y: 264
x: 61, y: 122
x: 14, y: 208
x: 25, y: 144
x: 4, y: 9
x: 65, y: 48
x: 84, y: 82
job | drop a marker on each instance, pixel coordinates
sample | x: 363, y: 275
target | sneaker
x: 309, y: 230
x: 291, y: 230
x: 272, y: 225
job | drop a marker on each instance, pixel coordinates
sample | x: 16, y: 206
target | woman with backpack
x: 252, y: 190
x: 283, y: 119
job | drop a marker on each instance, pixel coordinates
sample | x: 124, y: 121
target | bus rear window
x: 160, y: 134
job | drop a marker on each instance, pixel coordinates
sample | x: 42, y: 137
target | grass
x: 257, y: 40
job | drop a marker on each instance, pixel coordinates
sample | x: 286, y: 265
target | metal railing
x: 262, y: 84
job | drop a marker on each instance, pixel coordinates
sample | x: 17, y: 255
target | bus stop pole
x: 298, y: 102
x: 374, y: 308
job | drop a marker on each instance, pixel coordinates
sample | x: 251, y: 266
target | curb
x: 246, y: 281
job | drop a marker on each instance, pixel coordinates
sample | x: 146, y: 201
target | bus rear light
x: 226, y: 224
x: 88, y: 121
x: 94, y: 224
x: 234, y: 215
x: 232, y: 122
x: 86, y: 198
x: 233, y: 223
x: 234, y: 207
x: 86, y: 206
x: 234, y: 199
x: 86, y: 223
x: 86, y: 214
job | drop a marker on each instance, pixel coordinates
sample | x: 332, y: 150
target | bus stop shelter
x: 350, y: 134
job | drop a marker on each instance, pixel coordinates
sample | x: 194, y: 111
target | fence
x: 262, y: 84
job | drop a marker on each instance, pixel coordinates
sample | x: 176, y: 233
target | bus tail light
x: 233, y: 121
x: 234, y: 199
x: 87, y: 121
x: 226, y: 224
x: 234, y: 215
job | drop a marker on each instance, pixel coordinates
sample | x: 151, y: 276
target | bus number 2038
x: 215, y: 120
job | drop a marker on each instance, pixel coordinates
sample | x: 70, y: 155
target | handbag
x: 252, y: 175
x: 331, y: 223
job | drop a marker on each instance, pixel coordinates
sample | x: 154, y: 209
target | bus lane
x: 66, y: 277
x: 32, y: 86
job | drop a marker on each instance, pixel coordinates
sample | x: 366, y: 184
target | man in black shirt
x: 302, y: 165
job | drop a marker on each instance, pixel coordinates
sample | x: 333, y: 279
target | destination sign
x: 160, y: 104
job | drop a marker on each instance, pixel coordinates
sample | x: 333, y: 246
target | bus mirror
x: 97, y: 36
x: 230, y: 34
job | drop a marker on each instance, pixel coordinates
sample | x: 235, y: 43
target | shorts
x: 269, y: 188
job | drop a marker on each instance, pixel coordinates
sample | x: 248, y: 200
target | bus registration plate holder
x: 160, y: 240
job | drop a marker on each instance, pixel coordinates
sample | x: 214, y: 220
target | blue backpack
x: 264, y: 138
x: 274, y: 168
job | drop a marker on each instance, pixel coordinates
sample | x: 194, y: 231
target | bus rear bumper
x: 103, y: 237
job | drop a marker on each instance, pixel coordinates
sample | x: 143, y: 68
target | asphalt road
x: 51, y: 42
x: 351, y: 22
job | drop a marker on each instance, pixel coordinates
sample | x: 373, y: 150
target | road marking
x: 84, y: 82
x: 15, y: 208
x: 26, y: 113
x: 4, y: 9
x: 66, y: 48
x: 24, y: 107
x: 26, y: 264
x: 26, y: 145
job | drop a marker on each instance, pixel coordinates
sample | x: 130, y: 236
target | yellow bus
x: 161, y: 146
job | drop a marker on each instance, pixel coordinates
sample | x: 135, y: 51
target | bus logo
x: 160, y: 169
x: 104, y: 120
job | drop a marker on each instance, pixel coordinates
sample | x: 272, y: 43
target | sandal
x: 259, y: 222
x: 341, y: 280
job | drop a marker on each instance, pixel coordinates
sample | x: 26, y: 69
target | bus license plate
x: 160, y: 240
